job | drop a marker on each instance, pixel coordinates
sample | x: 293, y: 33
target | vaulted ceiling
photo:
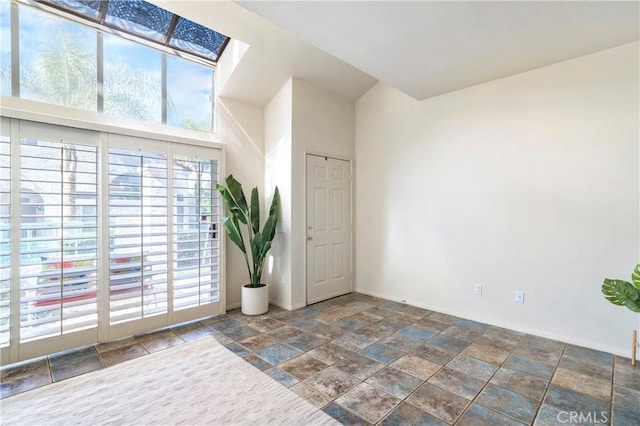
x: 422, y: 48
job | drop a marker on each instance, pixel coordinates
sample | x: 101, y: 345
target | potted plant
x: 255, y: 295
x: 624, y: 293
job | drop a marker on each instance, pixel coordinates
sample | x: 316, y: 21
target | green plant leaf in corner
x: 230, y: 202
x: 619, y: 292
x: 269, y: 230
x: 275, y: 204
x: 635, y: 277
x: 256, y: 246
x: 255, y: 211
x: 235, y: 190
x: 258, y: 243
x: 633, y: 305
x: 233, y: 231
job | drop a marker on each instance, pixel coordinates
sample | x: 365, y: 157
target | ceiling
x: 426, y: 48
x: 274, y: 55
x: 423, y: 48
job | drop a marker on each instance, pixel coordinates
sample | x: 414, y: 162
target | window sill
x: 24, y: 109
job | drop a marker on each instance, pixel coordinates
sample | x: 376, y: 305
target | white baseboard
x: 271, y: 302
x: 233, y: 306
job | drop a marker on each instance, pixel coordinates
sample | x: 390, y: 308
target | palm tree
x: 65, y: 74
x: 69, y: 178
x: 132, y: 93
x: 5, y: 73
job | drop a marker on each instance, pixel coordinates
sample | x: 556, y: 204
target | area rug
x: 197, y: 383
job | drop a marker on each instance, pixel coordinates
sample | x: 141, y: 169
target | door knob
x: 310, y: 237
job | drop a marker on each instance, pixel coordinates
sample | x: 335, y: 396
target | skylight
x: 150, y: 22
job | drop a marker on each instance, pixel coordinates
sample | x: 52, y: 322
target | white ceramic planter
x: 255, y: 300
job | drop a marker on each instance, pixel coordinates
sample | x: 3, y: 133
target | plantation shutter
x: 102, y: 236
x: 58, y: 237
x: 138, y: 220
x: 5, y: 238
x: 196, y: 252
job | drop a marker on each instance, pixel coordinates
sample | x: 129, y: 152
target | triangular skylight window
x: 150, y: 22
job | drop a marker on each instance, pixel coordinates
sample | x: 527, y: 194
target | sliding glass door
x: 138, y: 232
x: 102, y: 236
x: 196, y: 252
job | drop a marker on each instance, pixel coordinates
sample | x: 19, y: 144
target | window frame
x: 25, y: 109
x: 99, y: 42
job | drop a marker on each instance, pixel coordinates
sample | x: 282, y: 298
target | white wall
x: 300, y: 119
x: 323, y: 124
x: 531, y: 182
x: 241, y: 129
x: 230, y: 59
x: 277, y: 121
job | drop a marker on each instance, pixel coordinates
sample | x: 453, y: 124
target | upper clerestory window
x: 125, y: 58
x: 150, y: 22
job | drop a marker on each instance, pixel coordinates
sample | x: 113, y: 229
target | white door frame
x: 352, y: 230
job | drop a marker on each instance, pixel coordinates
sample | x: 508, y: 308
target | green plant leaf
x: 259, y: 243
x: 230, y: 202
x: 255, y: 211
x: 633, y: 305
x: 275, y: 204
x: 619, y: 292
x: 226, y: 197
x: 256, y: 247
x: 269, y: 229
x: 233, y: 230
x: 263, y: 255
x: 265, y: 250
x: 635, y: 277
x: 235, y: 189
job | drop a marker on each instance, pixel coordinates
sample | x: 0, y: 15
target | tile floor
x: 365, y: 360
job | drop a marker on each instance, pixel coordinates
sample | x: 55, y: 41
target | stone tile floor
x: 365, y: 360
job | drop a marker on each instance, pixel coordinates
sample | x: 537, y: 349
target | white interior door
x: 328, y: 228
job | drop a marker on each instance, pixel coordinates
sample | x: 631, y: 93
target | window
x: 162, y: 71
x: 189, y: 88
x: 194, y: 38
x: 138, y: 228
x: 58, y: 250
x: 135, y: 17
x: 132, y: 80
x: 114, y: 235
x: 150, y: 22
x: 196, y: 215
x: 31, y: 212
x: 59, y: 70
x: 5, y: 48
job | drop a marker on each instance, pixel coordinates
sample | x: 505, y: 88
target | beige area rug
x: 197, y: 383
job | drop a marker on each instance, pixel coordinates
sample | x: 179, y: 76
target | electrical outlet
x: 519, y: 298
x: 477, y: 289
